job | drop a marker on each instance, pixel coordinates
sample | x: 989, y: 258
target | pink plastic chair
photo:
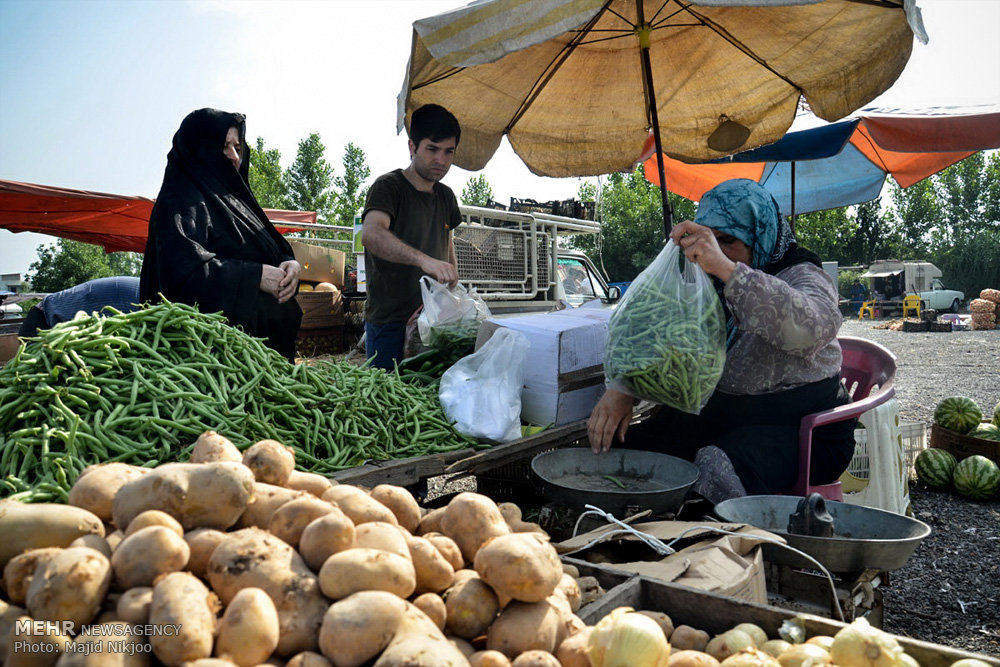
x: 867, y: 371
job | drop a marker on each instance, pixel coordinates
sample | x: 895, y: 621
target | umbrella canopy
x: 577, y: 85
x: 844, y: 163
x: 116, y: 222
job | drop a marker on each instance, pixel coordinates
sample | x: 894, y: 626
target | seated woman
x: 210, y: 243
x: 782, y: 358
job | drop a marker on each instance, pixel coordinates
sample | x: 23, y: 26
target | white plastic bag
x: 481, y: 393
x: 667, y: 338
x: 450, y: 313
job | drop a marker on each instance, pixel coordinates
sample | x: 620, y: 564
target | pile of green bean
x: 666, y: 346
x: 140, y: 387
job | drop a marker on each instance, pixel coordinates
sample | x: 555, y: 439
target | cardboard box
x: 564, y: 369
x: 8, y: 346
x: 319, y: 263
x: 724, y: 564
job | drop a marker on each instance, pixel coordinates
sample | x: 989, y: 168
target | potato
x: 465, y: 647
x: 180, y: 599
x: 95, y: 488
x: 8, y: 614
x: 359, y: 627
x: 434, y: 572
x: 270, y: 461
x: 512, y: 515
x: 290, y: 519
x: 133, y: 605
x: 433, y: 605
x: 662, y: 620
x: 309, y: 482
x: 95, y: 542
x: 308, y: 659
x: 32, y: 526
x: 267, y: 498
x: 571, y: 623
x: 254, y: 558
x: 107, y: 644
x: 202, y: 542
x: 574, y: 650
x: 401, y: 502
x: 472, y: 605
x: 114, y: 539
x: 535, y: 658
x: 248, y: 631
x: 21, y: 568
x: 590, y: 590
x: 490, y: 659
x: 69, y: 586
x: 146, y: 554
x: 729, y: 642
x: 199, y: 495
x: 358, y: 505
x: 154, y: 518
x: 36, y: 649
x: 685, y: 638
x: 472, y: 519
x: 520, y: 566
x: 419, y: 643
x: 383, y: 536
x: 447, y: 547
x: 690, y: 658
x: 431, y: 521
x: 211, y: 447
x: 363, y: 569
x: 326, y: 536
x: 569, y: 589
x: 526, y: 626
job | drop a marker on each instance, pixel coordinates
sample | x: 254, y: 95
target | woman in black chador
x: 210, y: 243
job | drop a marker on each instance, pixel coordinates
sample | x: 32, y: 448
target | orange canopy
x: 116, y: 222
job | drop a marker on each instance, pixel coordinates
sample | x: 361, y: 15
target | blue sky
x: 91, y: 91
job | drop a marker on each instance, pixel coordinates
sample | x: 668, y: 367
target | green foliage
x: 845, y: 279
x: 632, y: 225
x: 67, y: 263
x: 826, y: 233
x: 350, y: 190
x: 265, y: 176
x: 477, y: 191
x: 587, y: 191
x: 308, y: 182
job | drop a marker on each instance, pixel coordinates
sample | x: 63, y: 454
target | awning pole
x: 642, y: 31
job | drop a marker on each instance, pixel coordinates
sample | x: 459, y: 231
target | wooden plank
x: 520, y: 449
x: 401, y: 472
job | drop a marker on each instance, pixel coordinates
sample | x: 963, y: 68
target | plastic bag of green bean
x: 667, y: 338
x: 450, y: 314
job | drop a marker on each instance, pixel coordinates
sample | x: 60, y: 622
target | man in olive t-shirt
x: 407, y: 223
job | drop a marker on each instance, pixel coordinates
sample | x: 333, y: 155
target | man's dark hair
x: 434, y: 122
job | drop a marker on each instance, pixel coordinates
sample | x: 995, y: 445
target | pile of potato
x: 252, y: 562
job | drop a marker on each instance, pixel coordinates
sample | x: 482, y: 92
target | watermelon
x: 935, y: 467
x: 958, y: 413
x: 986, y: 431
x: 977, y: 477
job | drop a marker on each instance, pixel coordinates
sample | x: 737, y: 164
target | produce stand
x: 717, y: 613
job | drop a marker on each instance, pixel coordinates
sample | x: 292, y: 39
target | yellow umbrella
x: 578, y: 85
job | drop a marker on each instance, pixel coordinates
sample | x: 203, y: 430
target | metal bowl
x: 615, y: 480
x: 863, y: 537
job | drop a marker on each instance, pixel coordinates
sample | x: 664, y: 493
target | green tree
x: 265, y: 176
x: 67, y: 263
x: 308, y: 182
x: 125, y: 263
x: 477, y: 191
x: 587, y: 191
x: 827, y: 233
x: 632, y: 228
x: 917, y: 214
x: 351, y: 193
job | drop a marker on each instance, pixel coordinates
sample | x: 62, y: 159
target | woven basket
x: 912, y: 326
x: 963, y: 446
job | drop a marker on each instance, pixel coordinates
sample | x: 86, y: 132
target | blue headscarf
x: 744, y: 209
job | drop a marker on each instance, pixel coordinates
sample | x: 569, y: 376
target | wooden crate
x: 963, y: 446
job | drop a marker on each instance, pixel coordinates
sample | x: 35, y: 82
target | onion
x: 823, y: 641
x: 625, y: 638
x: 775, y: 647
x: 861, y: 645
x: 729, y: 642
x: 756, y: 633
x: 750, y: 657
x: 804, y: 655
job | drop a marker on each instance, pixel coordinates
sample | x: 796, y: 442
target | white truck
x: 891, y: 280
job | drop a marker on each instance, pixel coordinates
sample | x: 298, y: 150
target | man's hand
x: 270, y: 279
x: 443, y: 272
x: 609, y: 420
x: 290, y: 282
x: 701, y: 247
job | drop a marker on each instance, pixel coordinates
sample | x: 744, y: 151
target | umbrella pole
x: 647, y: 73
x: 792, y: 223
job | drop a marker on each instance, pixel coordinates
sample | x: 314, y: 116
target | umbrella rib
x: 553, y: 67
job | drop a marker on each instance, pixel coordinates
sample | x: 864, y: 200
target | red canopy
x: 116, y: 222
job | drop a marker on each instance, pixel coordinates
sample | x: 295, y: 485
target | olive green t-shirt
x: 422, y: 220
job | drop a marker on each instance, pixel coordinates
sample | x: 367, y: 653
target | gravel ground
x: 949, y: 591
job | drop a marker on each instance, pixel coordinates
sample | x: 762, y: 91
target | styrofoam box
x: 564, y: 372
